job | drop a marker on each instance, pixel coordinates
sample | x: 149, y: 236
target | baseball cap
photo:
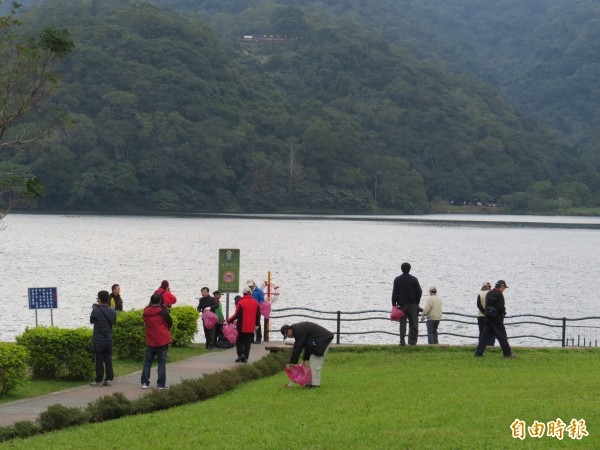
x: 284, y: 330
x: 501, y: 283
x: 250, y: 282
x: 246, y: 290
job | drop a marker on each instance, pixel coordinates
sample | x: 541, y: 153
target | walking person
x: 259, y: 296
x: 314, y: 340
x: 406, y: 294
x: 433, y: 311
x: 115, y: 301
x: 157, y: 322
x: 247, y: 315
x: 207, y: 302
x: 485, y: 287
x: 495, y: 311
x: 103, y: 318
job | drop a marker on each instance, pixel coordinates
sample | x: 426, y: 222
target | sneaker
x: 308, y: 386
x: 511, y: 356
x: 243, y: 360
x: 145, y: 385
x: 96, y: 384
x: 107, y: 383
x: 161, y: 388
x: 238, y: 360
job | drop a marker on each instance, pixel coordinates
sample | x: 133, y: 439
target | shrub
x: 58, y: 352
x: 109, y: 407
x: 13, y: 366
x: 21, y: 429
x: 58, y: 416
x: 129, y: 337
x: 185, y: 324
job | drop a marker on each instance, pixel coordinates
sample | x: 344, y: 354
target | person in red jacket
x: 168, y: 298
x: 247, y: 315
x: 158, y: 337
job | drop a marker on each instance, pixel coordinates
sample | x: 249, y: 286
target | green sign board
x: 229, y: 270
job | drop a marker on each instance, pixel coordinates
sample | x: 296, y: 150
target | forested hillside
x: 169, y: 114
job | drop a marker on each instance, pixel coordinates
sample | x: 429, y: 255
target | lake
x: 330, y: 263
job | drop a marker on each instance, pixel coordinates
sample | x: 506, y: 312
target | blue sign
x: 42, y: 298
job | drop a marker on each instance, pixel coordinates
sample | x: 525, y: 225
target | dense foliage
x: 13, y: 366
x: 168, y: 115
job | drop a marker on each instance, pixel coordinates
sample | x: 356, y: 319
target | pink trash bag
x: 396, y: 314
x: 265, y: 309
x: 209, y: 318
x: 230, y: 332
x: 299, y: 374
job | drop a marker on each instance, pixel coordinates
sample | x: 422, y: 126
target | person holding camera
x: 103, y: 318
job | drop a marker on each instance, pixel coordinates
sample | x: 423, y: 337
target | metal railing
x: 537, y: 325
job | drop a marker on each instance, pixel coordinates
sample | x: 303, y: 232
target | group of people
x: 406, y: 295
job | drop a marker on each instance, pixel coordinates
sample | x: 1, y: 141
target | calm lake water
x: 328, y: 263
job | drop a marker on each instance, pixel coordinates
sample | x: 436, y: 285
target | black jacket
x: 103, y: 317
x: 406, y: 290
x: 311, y: 337
x: 495, y: 299
x: 207, y: 302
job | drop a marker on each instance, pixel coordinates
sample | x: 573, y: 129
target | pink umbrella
x: 265, y: 309
x: 209, y: 318
x: 230, y: 332
x: 299, y: 374
x: 396, y: 314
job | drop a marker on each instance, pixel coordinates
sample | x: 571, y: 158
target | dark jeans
x: 161, y: 355
x: 480, y: 321
x: 432, y: 331
x: 243, y: 344
x: 493, y: 327
x: 103, y: 356
x: 258, y: 333
x: 411, y: 313
x: 209, y: 335
x: 218, y: 332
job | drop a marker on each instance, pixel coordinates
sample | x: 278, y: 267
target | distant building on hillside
x: 266, y: 39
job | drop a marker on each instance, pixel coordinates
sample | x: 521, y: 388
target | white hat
x: 250, y: 282
x: 432, y: 288
x: 246, y: 290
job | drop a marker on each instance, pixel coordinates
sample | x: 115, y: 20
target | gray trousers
x: 316, y: 364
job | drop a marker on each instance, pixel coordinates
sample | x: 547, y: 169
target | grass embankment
x: 34, y: 388
x: 384, y: 397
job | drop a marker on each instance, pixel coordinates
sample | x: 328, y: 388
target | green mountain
x: 169, y: 114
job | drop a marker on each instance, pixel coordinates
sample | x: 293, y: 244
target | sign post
x: 229, y: 273
x: 42, y: 298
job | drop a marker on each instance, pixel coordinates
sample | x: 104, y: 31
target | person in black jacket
x: 493, y: 324
x: 207, y: 302
x: 116, y: 302
x: 314, y: 340
x: 407, y: 296
x: 103, y: 317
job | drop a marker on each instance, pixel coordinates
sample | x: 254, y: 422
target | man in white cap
x: 433, y: 311
x: 259, y: 296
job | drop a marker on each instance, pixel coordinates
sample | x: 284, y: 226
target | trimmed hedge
x: 13, y: 366
x: 129, y: 336
x: 58, y: 353
x: 117, y: 405
x: 185, y: 324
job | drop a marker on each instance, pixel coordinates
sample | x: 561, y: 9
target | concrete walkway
x: 129, y: 385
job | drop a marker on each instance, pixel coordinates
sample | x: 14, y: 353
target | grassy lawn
x: 383, y: 397
x: 33, y: 388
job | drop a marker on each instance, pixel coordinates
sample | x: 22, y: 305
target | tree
x: 27, y: 74
x: 27, y: 78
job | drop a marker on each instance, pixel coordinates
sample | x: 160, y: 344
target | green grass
x: 380, y: 397
x: 34, y: 388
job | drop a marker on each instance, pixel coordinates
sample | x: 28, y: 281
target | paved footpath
x: 129, y: 385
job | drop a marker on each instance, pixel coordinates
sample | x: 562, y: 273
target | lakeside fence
x: 577, y: 332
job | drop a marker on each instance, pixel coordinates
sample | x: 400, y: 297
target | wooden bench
x: 274, y: 347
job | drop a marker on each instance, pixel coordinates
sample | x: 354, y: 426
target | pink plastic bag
x: 299, y: 374
x: 209, y: 318
x: 265, y: 309
x: 396, y: 314
x: 230, y: 332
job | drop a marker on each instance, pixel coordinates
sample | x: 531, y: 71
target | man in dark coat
x: 407, y: 296
x: 493, y: 324
x: 103, y: 318
x: 314, y: 340
x: 207, y: 302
